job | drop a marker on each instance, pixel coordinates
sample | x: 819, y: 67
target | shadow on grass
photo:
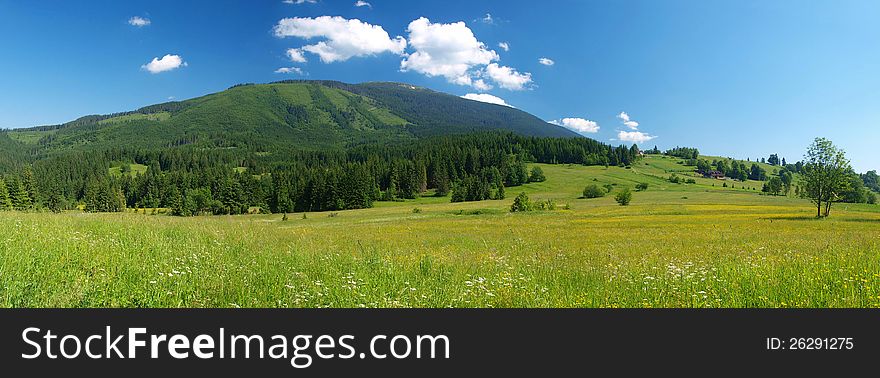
x: 794, y: 218
x: 861, y: 220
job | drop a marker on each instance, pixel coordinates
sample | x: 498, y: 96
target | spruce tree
x: 5, y: 203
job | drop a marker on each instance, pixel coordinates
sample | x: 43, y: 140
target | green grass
x: 159, y: 117
x: 719, y: 247
x: 29, y: 136
x: 136, y: 169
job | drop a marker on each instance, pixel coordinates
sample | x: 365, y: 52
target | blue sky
x: 733, y: 78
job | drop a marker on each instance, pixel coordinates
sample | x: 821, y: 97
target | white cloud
x: 286, y: 70
x: 634, y: 136
x: 166, y: 63
x: 362, y: 3
x: 344, y: 38
x: 487, y: 19
x: 299, y: 1
x: 485, y: 97
x: 296, y: 55
x: 508, y: 78
x: 627, y: 121
x: 448, y: 50
x: 578, y: 124
x: 139, y: 21
x: 546, y: 61
x: 481, y: 85
x: 504, y: 46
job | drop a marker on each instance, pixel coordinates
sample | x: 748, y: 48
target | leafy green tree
x: 774, y: 186
x: 623, y: 197
x: 871, y: 180
x: 825, y: 175
x: 593, y: 191
x: 787, y: 179
x: 537, y: 175
x: 521, y: 203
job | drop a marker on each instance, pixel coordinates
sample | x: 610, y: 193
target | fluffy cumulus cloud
x: 627, y: 121
x: 139, y: 21
x: 485, y: 97
x: 578, y: 124
x: 634, y: 136
x: 504, y: 46
x: 344, y: 38
x: 296, y: 55
x: 508, y: 78
x: 289, y: 70
x: 546, y: 61
x: 448, y: 50
x: 362, y: 3
x: 165, y: 63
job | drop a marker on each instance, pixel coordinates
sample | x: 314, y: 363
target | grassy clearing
x: 718, y: 247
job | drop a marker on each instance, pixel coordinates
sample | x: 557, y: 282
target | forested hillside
x: 288, y: 115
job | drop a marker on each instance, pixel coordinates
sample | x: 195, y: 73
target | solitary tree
x: 537, y: 175
x: 825, y: 175
x: 623, y: 197
x: 774, y: 186
x: 521, y: 203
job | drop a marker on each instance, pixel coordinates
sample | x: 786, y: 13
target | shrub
x: 546, y: 205
x: 609, y: 187
x: 623, y: 197
x: 593, y: 191
x: 691, y: 181
x: 521, y: 203
x: 642, y: 186
x: 537, y: 175
x: 416, y: 210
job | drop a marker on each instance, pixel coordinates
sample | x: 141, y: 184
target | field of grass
x: 134, y: 170
x: 676, y: 245
x: 160, y: 116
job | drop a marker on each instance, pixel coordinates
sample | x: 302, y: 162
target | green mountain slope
x: 290, y: 114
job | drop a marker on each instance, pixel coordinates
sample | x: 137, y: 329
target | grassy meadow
x: 676, y: 245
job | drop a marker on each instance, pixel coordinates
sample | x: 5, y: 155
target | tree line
x: 191, y: 181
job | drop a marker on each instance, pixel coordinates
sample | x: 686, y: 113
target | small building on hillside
x: 713, y: 174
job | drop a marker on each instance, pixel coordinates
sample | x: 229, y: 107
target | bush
x: 623, y: 197
x: 593, y: 191
x: 537, y: 175
x: 609, y: 187
x: 546, y: 205
x: 416, y: 210
x: 871, y: 198
x: 642, y: 186
x: 521, y: 203
x: 691, y: 181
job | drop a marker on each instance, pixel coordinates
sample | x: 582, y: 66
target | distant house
x: 713, y: 174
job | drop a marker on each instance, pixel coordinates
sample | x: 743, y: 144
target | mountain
x: 289, y: 114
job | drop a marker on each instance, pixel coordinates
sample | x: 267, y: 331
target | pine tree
x: 5, y: 203
x: 30, y: 186
x: 19, y: 195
